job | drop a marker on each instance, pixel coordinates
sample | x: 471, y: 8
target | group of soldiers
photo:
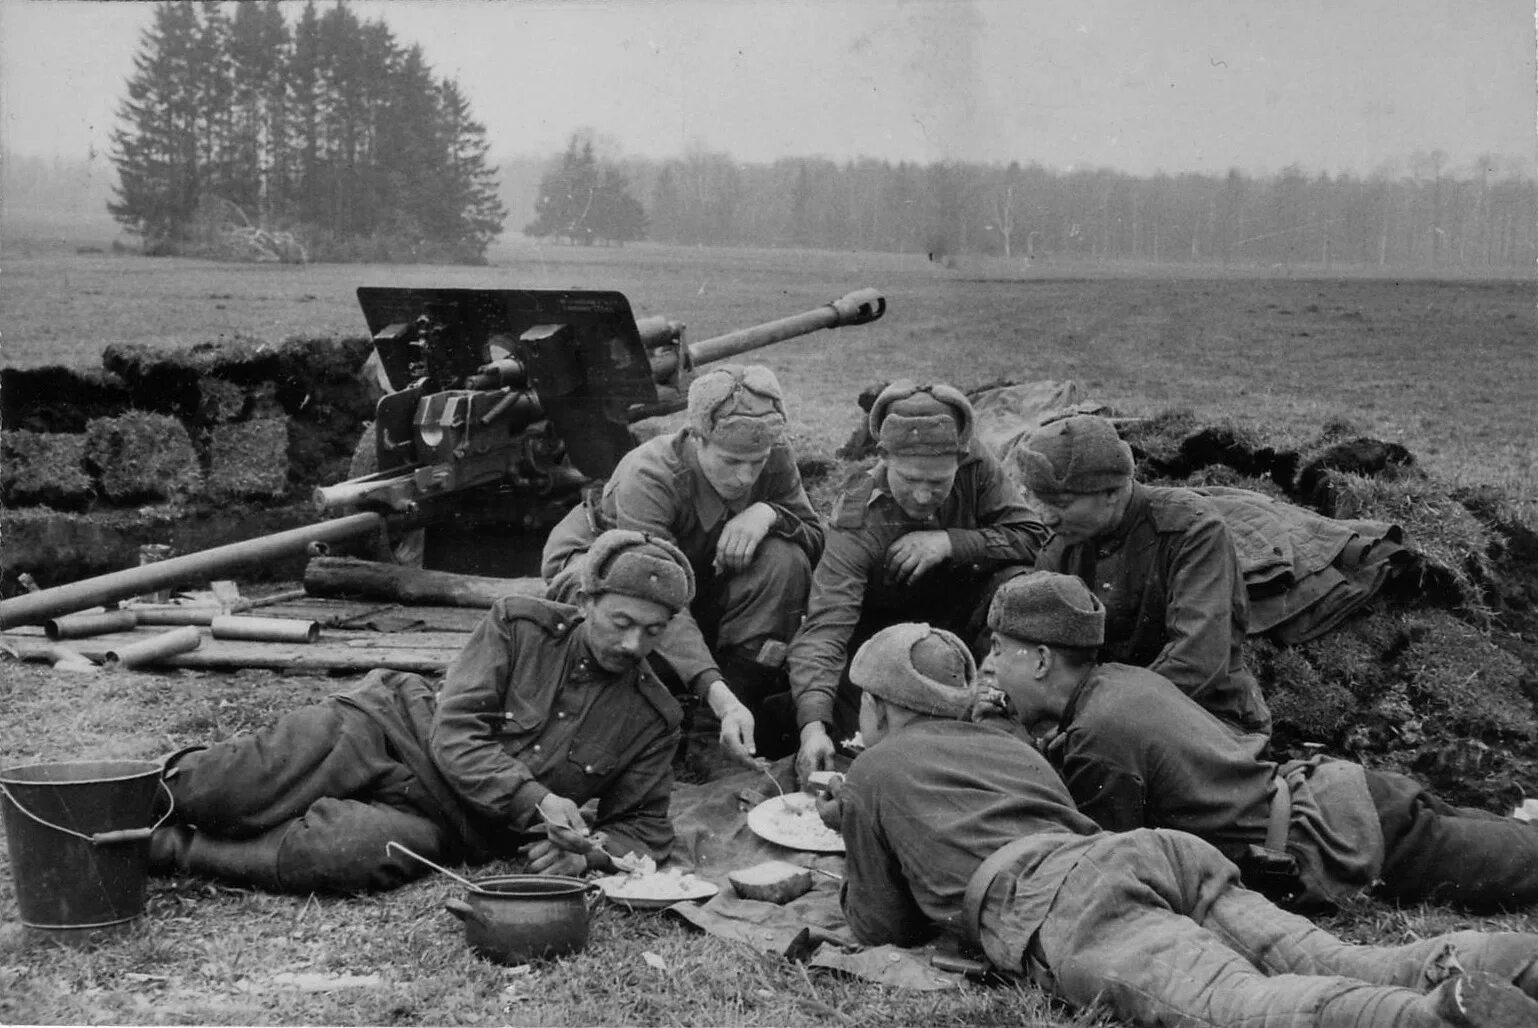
x: 1059, y: 756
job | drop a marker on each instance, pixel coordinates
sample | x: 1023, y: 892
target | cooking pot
x: 512, y: 919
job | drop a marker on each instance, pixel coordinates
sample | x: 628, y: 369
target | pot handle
x: 121, y: 835
x: 462, y: 910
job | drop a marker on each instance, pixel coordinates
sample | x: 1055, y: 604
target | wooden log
x: 348, y: 576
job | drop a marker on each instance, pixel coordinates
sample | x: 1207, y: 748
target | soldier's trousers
x: 1459, y: 855
x: 307, y: 804
x: 1154, y: 924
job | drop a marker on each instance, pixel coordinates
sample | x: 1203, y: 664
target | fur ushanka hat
x: 913, y: 665
x: 640, y: 565
x: 738, y: 406
x: 1077, y: 454
x: 909, y: 419
x: 1049, y: 608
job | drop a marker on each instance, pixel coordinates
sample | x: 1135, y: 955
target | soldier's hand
x: 816, y: 752
x: 992, y: 702
x: 736, y: 722
x: 563, y: 823
x: 830, y: 803
x: 546, y: 858
x: 742, y: 535
x: 916, y: 553
x: 737, y: 733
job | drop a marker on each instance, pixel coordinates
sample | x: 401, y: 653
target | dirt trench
x: 1438, y: 675
x: 186, y: 448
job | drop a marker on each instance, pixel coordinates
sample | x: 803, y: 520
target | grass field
x: 1447, y: 368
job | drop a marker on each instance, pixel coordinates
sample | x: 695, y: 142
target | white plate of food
x: 791, y: 820
x: 655, y: 889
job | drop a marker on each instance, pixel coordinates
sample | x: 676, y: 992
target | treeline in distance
x: 1426, y: 218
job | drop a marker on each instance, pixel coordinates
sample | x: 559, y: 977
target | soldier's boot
x: 1509, y: 956
x: 165, y: 799
x: 168, y: 849
x: 1463, y: 1001
x: 774, y: 730
x: 240, y: 861
x: 765, y: 690
x: 1482, y: 1000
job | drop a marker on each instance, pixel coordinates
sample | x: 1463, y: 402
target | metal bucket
x: 78, y: 835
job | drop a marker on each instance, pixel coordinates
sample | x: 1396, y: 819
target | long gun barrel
x: 856, y: 308
x: 36, y: 608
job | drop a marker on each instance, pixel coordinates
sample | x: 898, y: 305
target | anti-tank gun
x: 508, y: 402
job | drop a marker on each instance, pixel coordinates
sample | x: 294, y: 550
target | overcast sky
x: 1137, y: 85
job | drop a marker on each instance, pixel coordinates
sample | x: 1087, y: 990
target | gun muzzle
x: 858, y: 307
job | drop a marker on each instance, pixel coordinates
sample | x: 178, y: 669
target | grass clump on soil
x: 139, y: 456
x: 1410, y: 690
x: 44, y: 468
x: 249, y: 459
x: 1453, y: 545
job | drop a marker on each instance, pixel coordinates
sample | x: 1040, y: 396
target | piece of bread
x: 773, y: 881
x: 817, y: 781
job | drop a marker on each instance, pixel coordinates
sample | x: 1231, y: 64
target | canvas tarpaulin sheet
x: 710, y: 820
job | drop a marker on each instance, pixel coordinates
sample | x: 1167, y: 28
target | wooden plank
x: 427, y: 648
x: 398, y: 640
x: 227, y: 654
x: 355, y: 638
x: 331, y: 612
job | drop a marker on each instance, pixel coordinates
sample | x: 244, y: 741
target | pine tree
x: 260, y: 140
x: 566, y: 196
x: 584, y: 202
x: 156, y: 150
x: 617, y: 217
x: 333, y: 129
x: 469, y: 186
x: 304, y: 195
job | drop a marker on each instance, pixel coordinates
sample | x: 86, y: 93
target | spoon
x: 592, y: 842
x: 467, y: 883
x: 763, y: 765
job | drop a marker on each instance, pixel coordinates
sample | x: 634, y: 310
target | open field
x: 1447, y: 368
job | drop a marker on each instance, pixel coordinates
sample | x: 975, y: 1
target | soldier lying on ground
x: 924, y: 535
x: 725, y: 489
x: 963, y: 827
x: 1160, y: 559
x: 548, y: 706
x: 1136, y: 752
